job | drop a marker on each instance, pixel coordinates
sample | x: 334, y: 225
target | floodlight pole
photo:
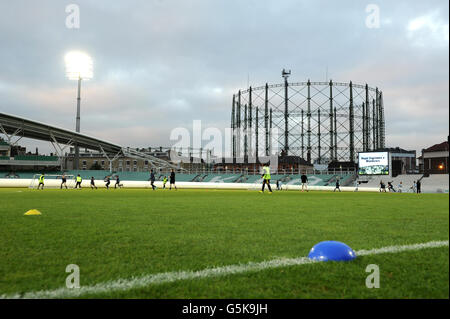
x: 78, y: 105
x: 77, y: 129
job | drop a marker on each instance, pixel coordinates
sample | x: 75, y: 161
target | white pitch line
x: 168, y: 277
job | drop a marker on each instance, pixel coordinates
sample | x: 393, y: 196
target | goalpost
x: 52, y: 181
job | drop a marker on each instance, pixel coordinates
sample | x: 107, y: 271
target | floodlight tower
x: 78, y: 67
x: 285, y: 73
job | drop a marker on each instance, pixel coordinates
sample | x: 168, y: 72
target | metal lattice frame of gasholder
x: 318, y: 121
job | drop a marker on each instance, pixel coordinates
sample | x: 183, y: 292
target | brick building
x: 434, y: 159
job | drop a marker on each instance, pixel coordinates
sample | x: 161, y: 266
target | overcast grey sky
x: 159, y: 64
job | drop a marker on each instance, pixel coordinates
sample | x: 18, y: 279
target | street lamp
x: 78, y: 67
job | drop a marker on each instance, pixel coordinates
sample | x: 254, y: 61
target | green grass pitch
x: 133, y: 232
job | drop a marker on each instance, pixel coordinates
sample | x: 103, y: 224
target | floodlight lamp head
x: 78, y: 65
x: 285, y: 73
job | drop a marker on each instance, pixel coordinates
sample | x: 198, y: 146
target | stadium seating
x: 252, y: 179
x: 347, y: 180
x: 223, y: 178
x: 435, y: 183
x: 23, y: 175
x: 185, y: 177
x: 8, y: 175
x: 320, y: 179
x: 132, y: 176
x: 87, y: 174
x: 313, y: 180
x: 407, y: 181
x: 438, y: 183
x: 35, y: 158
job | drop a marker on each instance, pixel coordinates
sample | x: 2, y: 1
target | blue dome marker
x: 331, y: 250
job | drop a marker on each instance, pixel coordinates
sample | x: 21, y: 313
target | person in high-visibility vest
x: 78, y: 179
x: 164, y: 182
x: 41, y: 181
x: 266, y: 179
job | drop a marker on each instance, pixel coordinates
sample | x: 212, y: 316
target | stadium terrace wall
x: 53, y: 183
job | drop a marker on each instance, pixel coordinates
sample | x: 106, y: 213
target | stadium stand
x: 318, y: 179
x: 435, y: 183
x: 35, y: 158
x: 22, y: 175
x: 347, y: 180
x: 199, y: 178
x: 407, y: 180
x: 344, y: 179
x: 185, y: 177
x: 251, y: 179
x: 131, y: 176
x: 222, y: 178
x: 87, y: 174
x: 9, y: 175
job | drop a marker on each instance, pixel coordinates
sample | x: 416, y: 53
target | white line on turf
x: 167, y: 277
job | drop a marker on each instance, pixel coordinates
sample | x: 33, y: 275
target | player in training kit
x: 337, y: 186
x: 93, y: 183
x: 152, y: 180
x: 172, y: 180
x: 41, y: 181
x: 63, y: 181
x: 108, y: 181
x: 164, y: 182
x: 391, y: 187
x: 117, y: 182
x: 278, y: 185
x: 418, y: 187
x: 304, y: 179
x: 266, y: 179
x: 382, y: 187
x: 78, y: 180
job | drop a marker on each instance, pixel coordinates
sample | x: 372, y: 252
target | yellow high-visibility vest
x: 79, y: 179
x: 41, y: 179
x: 266, y: 172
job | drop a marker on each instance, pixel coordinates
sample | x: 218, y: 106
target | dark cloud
x: 160, y: 64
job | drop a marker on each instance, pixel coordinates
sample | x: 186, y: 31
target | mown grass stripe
x: 168, y: 277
